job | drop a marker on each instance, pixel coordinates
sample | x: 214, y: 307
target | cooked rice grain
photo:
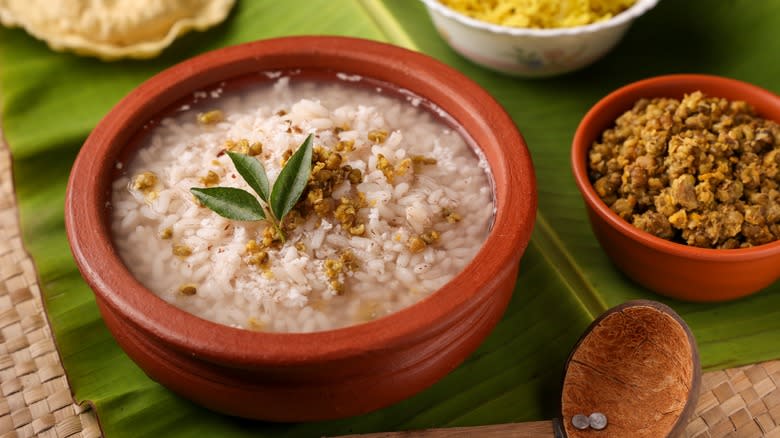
x: 293, y: 293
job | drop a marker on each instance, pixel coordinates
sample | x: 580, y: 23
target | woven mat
x: 35, y: 398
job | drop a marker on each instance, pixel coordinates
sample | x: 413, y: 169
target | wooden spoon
x: 637, y: 364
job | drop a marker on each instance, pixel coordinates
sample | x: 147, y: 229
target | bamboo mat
x: 35, y: 398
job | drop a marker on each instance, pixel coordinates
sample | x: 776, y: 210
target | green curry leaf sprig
x: 240, y: 205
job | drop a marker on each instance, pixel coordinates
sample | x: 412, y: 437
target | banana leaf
x: 50, y: 102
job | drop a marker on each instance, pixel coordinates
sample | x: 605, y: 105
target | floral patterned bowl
x: 531, y: 52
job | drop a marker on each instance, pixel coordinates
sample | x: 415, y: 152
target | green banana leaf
x: 50, y: 102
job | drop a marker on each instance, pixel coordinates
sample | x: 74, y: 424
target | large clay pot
x: 322, y: 375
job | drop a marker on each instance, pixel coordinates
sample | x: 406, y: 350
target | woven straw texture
x: 739, y: 403
x: 35, y: 399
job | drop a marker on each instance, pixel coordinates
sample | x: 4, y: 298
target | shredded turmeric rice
x: 540, y: 14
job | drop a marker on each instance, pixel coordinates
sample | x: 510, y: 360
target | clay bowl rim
x: 621, y: 100
x: 111, y: 281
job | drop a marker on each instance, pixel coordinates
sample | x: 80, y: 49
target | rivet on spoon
x: 580, y: 421
x: 597, y: 420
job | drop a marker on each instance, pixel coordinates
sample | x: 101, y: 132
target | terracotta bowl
x: 668, y: 268
x: 322, y: 375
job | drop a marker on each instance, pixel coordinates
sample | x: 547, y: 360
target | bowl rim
x: 656, y: 86
x: 114, y: 285
x: 630, y: 14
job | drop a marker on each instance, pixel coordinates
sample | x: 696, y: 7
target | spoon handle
x: 534, y: 429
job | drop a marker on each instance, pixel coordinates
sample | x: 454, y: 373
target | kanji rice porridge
x: 412, y: 207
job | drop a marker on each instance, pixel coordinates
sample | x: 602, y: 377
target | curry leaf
x: 291, y: 182
x: 253, y: 173
x: 230, y: 202
x: 241, y: 205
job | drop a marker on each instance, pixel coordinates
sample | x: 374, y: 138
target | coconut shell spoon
x: 635, y: 372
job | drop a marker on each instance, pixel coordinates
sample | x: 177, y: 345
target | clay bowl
x: 668, y: 268
x: 321, y: 375
x: 639, y: 366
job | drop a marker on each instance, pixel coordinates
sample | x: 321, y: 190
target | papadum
x: 112, y: 29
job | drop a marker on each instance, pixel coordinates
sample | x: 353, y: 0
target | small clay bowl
x: 637, y: 364
x: 668, y: 268
x: 321, y: 375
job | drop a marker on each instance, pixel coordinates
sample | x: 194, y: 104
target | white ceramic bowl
x: 531, y: 52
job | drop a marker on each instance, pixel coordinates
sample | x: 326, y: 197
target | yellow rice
x: 540, y: 14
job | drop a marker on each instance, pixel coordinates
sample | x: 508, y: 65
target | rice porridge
x: 396, y: 205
